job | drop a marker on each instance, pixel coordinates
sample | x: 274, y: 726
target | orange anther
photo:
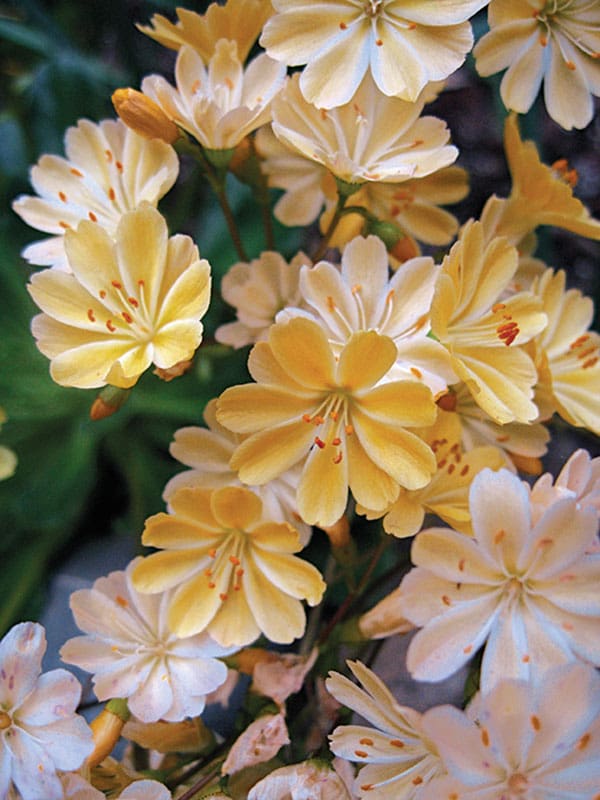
x: 319, y: 442
x: 110, y: 326
x: 76, y: 172
x: 234, y: 560
x: 90, y: 314
x: 63, y: 196
x: 92, y: 216
x: 116, y: 284
x: 127, y: 317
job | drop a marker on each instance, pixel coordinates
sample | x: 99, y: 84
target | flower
x: 310, y: 779
x: 528, y: 740
x: 144, y: 116
x: 109, y: 170
x: 447, y: 495
x: 208, y: 453
x: 540, y: 195
x: 525, y: 585
x: 402, y: 46
x: 39, y: 729
x: 238, y: 20
x: 370, y: 138
x: 348, y: 432
x: 483, y: 334
x: 260, y: 742
x: 129, y: 302
x: 220, y: 105
x: 567, y: 354
x: 399, y: 760
x: 554, y: 41
x: 579, y: 478
x: 76, y: 788
x: 134, y: 655
x: 234, y: 569
x: 360, y: 296
x: 385, y: 618
x: 280, y: 676
x: 258, y: 291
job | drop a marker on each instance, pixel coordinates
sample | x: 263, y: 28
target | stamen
x: 76, y: 172
x: 92, y: 216
x: 90, y: 314
x: 110, y: 326
x: 63, y: 196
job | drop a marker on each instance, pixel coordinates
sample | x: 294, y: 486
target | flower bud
x: 108, y: 402
x: 107, y: 727
x: 144, y: 116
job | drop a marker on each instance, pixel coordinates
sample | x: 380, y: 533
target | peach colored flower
x: 309, y: 780
x: 220, y: 104
x: 554, y: 41
x: 370, y: 138
x: 261, y: 741
x: 108, y: 170
x: 235, y: 572
x: 130, y: 301
x: 330, y: 415
x: 403, y: 46
x: 238, y: 20
x: 482, y: 334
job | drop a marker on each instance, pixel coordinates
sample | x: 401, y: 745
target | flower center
x: 226, y: 570
x: 5, y: 721
x: 331, y: 417
x: 518, y: 785
x: 373, y: 7
x: 126, y: 313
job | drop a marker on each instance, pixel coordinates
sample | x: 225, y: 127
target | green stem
x: 337, y: 215
x: 218, y: 186
x: 315, y: 614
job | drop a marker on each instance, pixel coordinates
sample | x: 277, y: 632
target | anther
x: 90, y: 315
x: 234, y: 560
x: 343, y: 26
x: 127, y: 317
x: 109, y: 156
x: 110, y: 326
x: 116, y: 284
x: 63, y: 196
x: 319, y: 442
x: 76, y: 172
x: 92, y: 216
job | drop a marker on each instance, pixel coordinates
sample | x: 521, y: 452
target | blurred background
x: 86, y: 487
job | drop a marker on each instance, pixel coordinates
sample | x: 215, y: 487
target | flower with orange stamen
x: 233, y: 571
x: 331, y: 415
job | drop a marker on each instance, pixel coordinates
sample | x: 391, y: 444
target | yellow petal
x: 236, y: 507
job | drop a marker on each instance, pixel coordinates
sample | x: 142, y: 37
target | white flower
x: 76, y: 788
x: 398, y: 758
x: 39, y: 729
x: 309, y: 780
x: 528, y: 586
x: 531, y: 742
x: 220, y: 105
x: 133, y: 654
x: 579, y: 478
x: 108, y: 170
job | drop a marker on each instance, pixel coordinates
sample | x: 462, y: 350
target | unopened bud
x: 144, y: 116
x: 405, y: 249
x: 106, y: 728
x: 108, y: 402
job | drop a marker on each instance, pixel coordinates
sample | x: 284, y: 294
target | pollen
x: 349, y: 430
x: 64, y: 225
x: 416, y: 372
x: 319, y: 442
x: 121, y: 601
x: 584, y: 741
x: 343, y: 26
x: 417, y: 780
x: 378, y: 42
x: 76, y: 172
x: 361, y: 753
x: 111, y: 194
x: 63, y: 196
x: 485, y: 737
x: 90, y: 315
x: 367, y: 741
x: 396, y: 743
x: 110, y: 325
x: 535, y: 722
x: 119, y: 166
x: 570, y: 65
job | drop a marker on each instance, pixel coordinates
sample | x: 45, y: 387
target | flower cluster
x: 389, y: 379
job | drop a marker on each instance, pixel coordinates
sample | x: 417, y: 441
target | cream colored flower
x: 525, y: 583
x: 238, y: 20
x: 567, y: 354
x: 370, y: 138
x: 220, y: 104
x: 280, y: 675
x: 330, y: 415
x: 540, y: 195
x: 483, y: 334
x: 385, y: 618
x: 360, y: 296
x: 108, y: 170
x: 554, y: 41
x: 260, y: 742
x: 579, y: 478
x: 402, y: 45
x: 447, y: 494
x: 398, y: 759
x: 208, y: 453
x: 309, y: 780
x: 258, y: 291
x: 130, y: 301
x: 235, y: 572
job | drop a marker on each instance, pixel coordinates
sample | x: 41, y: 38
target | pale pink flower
x: 40, y: 732
x: 76, y: 788
x: 309, y: 780
x: 133, y: 654
x: 108, y: 170
x: 579, y: 478
x: 282, y: 675
x: 261, y: 741
x: 528, y: 586
x: 538, y: 741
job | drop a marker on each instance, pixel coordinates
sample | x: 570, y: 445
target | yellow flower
x: 447, y: 495
x: 238, y: 20
x: 483, y: 334
x: 330, y: 414
x: 220, y: 104
x: 235, y: 571
x: 541, y: 195
x: 370, y: 138
x: 567, y: 354
x: 403, y: 46
x: 554, y: 41
x: 108, y: 170
x: 128, y: 303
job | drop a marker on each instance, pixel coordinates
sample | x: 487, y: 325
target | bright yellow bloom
x: 447, y: 495
x: 238, y: 20
x: 541, y: 195
x: 235, y: 571
x: 219, y: 104
x: 402, y: 45
x: 129, y: 302
x: 108, y: 170
x: 307, y: 406
x: 370, y: 138
x: 483, y: 334
x: 567, y: 354
x: 554, y: 41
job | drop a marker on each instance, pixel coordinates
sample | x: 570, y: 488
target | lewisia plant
x: 372, y: 440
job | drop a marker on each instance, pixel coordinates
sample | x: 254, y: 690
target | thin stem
x: 337, y: 215
x: 315, y: 614
x: 200, y: 784
x: 263, y: 198
x: 218, y: 186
